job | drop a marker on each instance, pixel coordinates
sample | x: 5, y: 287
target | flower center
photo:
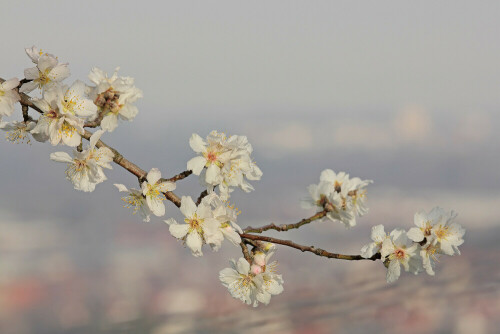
x: 19, y: 135
x: 133, y: 201
x: 195, y: 223
x: 399, y: 253
x: 69, y: 105
x: 338, y: 186
x: 212, y: 157
x: 2, y: 93
x: 67, y: 129
x: 154, y: 192
x: 43, y: 78
x: 442, y: 232
x: 427, y: 229
x: 51, y: 114
x: 76, y: 169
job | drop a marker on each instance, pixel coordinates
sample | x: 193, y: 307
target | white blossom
x: 47, y: 73
x: 256, y: 282
x: 399, y: 250
x: 136, y: 200
x: 225, y: 226
x: 223, y: 162
x: 8, y: 96
x: 56, y: 125
x: 17, y: 132
x: 84, y: 170
x: 153, y: 191
x: 425, y: 223
x: 74, y: 101
x: 428, y: 253
x: 198, y: 220
x: 352, y: 190
x: 448, y: 235
x: 272, y: 283
x: 343, y: 198
x: 34, y: 53
x: 114, y: 97
x: 378, y: 236
x: 437, y: 228
x: 241, y: 283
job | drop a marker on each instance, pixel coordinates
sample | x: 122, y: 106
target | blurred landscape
x: 407, y: 95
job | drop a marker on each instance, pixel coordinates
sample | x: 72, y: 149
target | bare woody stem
x: 312, y: 249
x: 246, y: 253
x: 286, y: 227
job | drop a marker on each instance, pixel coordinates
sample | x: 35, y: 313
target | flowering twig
x: 118, y: 158
x: 312, y: 249
x: 286, y: 227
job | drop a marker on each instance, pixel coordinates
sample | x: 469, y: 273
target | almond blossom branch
x: 286, y: 227
x: 312, y: 249
x: 118, y: 158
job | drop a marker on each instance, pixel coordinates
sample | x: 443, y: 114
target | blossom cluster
x: 210, y: 223
x: 341, y: 196
x: 255, y: 282
x: 416, y: 250
x: 224, y: 162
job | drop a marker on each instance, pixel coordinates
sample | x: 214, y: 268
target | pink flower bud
x: 255, y: 269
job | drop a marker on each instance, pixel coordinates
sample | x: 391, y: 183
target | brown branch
x: 179, y: 176
x: 312, y: 249
x: 203, y: 194
x: 96, y: 122
x: 26, y: 116
x: 245, y: 251
x: 131, y: 167
x: 286, y: 227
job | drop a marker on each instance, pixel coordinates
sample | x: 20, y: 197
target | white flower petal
x: 179, y: 231
x: 61, y: 157
x: 393, y: 271
x: 188, y: 207
x: 197, y: 143
x: 196, y: 164
x: 194, y: 242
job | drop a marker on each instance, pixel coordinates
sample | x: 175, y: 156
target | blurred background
x: 405, y: 94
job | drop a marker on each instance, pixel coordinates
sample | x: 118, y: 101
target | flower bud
x: 255, y: 269
x: 259, y: 258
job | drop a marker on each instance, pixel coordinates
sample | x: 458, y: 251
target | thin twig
x: 246, y: 253
x: 203, y: 194
x: 285, y: 227
x: 179, y: 176
x: 312, y: 249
